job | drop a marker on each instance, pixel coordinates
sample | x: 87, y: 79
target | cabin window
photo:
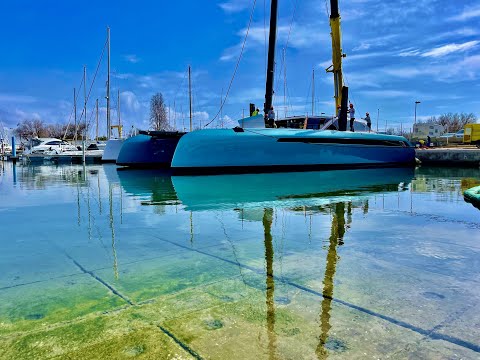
x: 344, y: 141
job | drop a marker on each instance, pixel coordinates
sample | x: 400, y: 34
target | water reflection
x: 186, y: 236
x: 314, y: 192
x: 336, y: 238
x: 258, y: 190
x: 270, y: 281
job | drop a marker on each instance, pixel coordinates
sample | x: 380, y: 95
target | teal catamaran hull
x: 150, y: 149
x: 213, y: 151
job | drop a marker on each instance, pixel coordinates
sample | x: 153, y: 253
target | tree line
x: 452, y: 122
x: 31, y: 128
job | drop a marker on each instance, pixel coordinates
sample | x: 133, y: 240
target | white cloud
x: 450, y: 48
x: 404, y: 72
x: 122, y: 76
x: 132, y: 58
x: 468, y: 13
x: 17, y: 99
x: 234, y: 6
x: 468, y: 67
x: 464, y: 31
x: 409, y: 52
x: 129, y: 101
x: 387, y: 93
x: 299, y: 37
x: 201, y: 116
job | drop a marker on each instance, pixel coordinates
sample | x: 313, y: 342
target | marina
x: 208, y: 194
x: 142, y: 263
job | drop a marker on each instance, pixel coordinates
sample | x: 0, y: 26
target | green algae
x: 26, y: 308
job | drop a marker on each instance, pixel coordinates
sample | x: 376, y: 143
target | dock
x: 458, y: 156
x: 64, y: 159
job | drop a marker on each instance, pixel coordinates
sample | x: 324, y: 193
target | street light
x: 416, y: 103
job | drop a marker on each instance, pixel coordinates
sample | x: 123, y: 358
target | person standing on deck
x: 369, y: 121
x: 352, y: 116
x: 255, y: 112
x: 271, y: 117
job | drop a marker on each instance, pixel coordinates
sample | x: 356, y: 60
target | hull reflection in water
x: 153, y: 187
x: 284, y: 189
x: 266, y: 192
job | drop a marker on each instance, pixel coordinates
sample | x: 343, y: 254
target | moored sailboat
x: 254, y: 150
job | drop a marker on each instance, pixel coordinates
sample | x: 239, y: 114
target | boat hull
x: 112, y: 149
x: 144, y: 151
x: 277, y: 150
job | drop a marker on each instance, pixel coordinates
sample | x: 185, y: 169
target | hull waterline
x: 217, y: 151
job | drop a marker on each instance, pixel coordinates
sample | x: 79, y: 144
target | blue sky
x: 397, y: 52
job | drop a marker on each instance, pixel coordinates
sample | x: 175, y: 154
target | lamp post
x: 416, y: 103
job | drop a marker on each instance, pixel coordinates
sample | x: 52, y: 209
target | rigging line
x: 308, y: 95
x: 236, y: 66
x: 265, y: 31
x: 179, y: 86
x: 289, y: 31
x: 350, y: 93
x: 94, y: 76
x: 73, y: 109
x: 282, y: 67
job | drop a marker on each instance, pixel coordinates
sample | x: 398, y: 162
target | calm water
x: 374, y: 264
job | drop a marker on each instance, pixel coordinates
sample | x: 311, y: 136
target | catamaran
x: 257, y: 150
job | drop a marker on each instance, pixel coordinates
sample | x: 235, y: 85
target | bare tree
x: 453, y: 122
x: 158, y: 113
x: 56, y: 130
x: 29, y: 128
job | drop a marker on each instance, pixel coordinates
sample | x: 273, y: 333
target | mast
x: 284, y: 82
x: 108, y: 84
x: 271, y: 56
x: 190, y: 93
x: 96, y: 118
x: 75, y: 114
x: 85, y: 100
x: 119, y: 119
x: 337, y: 54
x: 221, y: 109
x: 313, y: 91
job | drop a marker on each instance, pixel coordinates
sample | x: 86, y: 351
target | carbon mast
x: 271, y: 58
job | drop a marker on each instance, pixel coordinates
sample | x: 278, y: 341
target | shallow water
x: 100, y: 263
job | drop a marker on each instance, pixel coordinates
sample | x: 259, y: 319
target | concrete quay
x: 465, y: 156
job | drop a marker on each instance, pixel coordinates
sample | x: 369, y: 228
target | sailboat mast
x: 313, y: 92
x: 337, y: 53
x: 190, y: 94
x: 284, y: 82
x: 108, y: 84
x: 96, y: 118
x: 75, y: 114
x: 85, y: 100
x: 119, y: 119
x: 271, y: 56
